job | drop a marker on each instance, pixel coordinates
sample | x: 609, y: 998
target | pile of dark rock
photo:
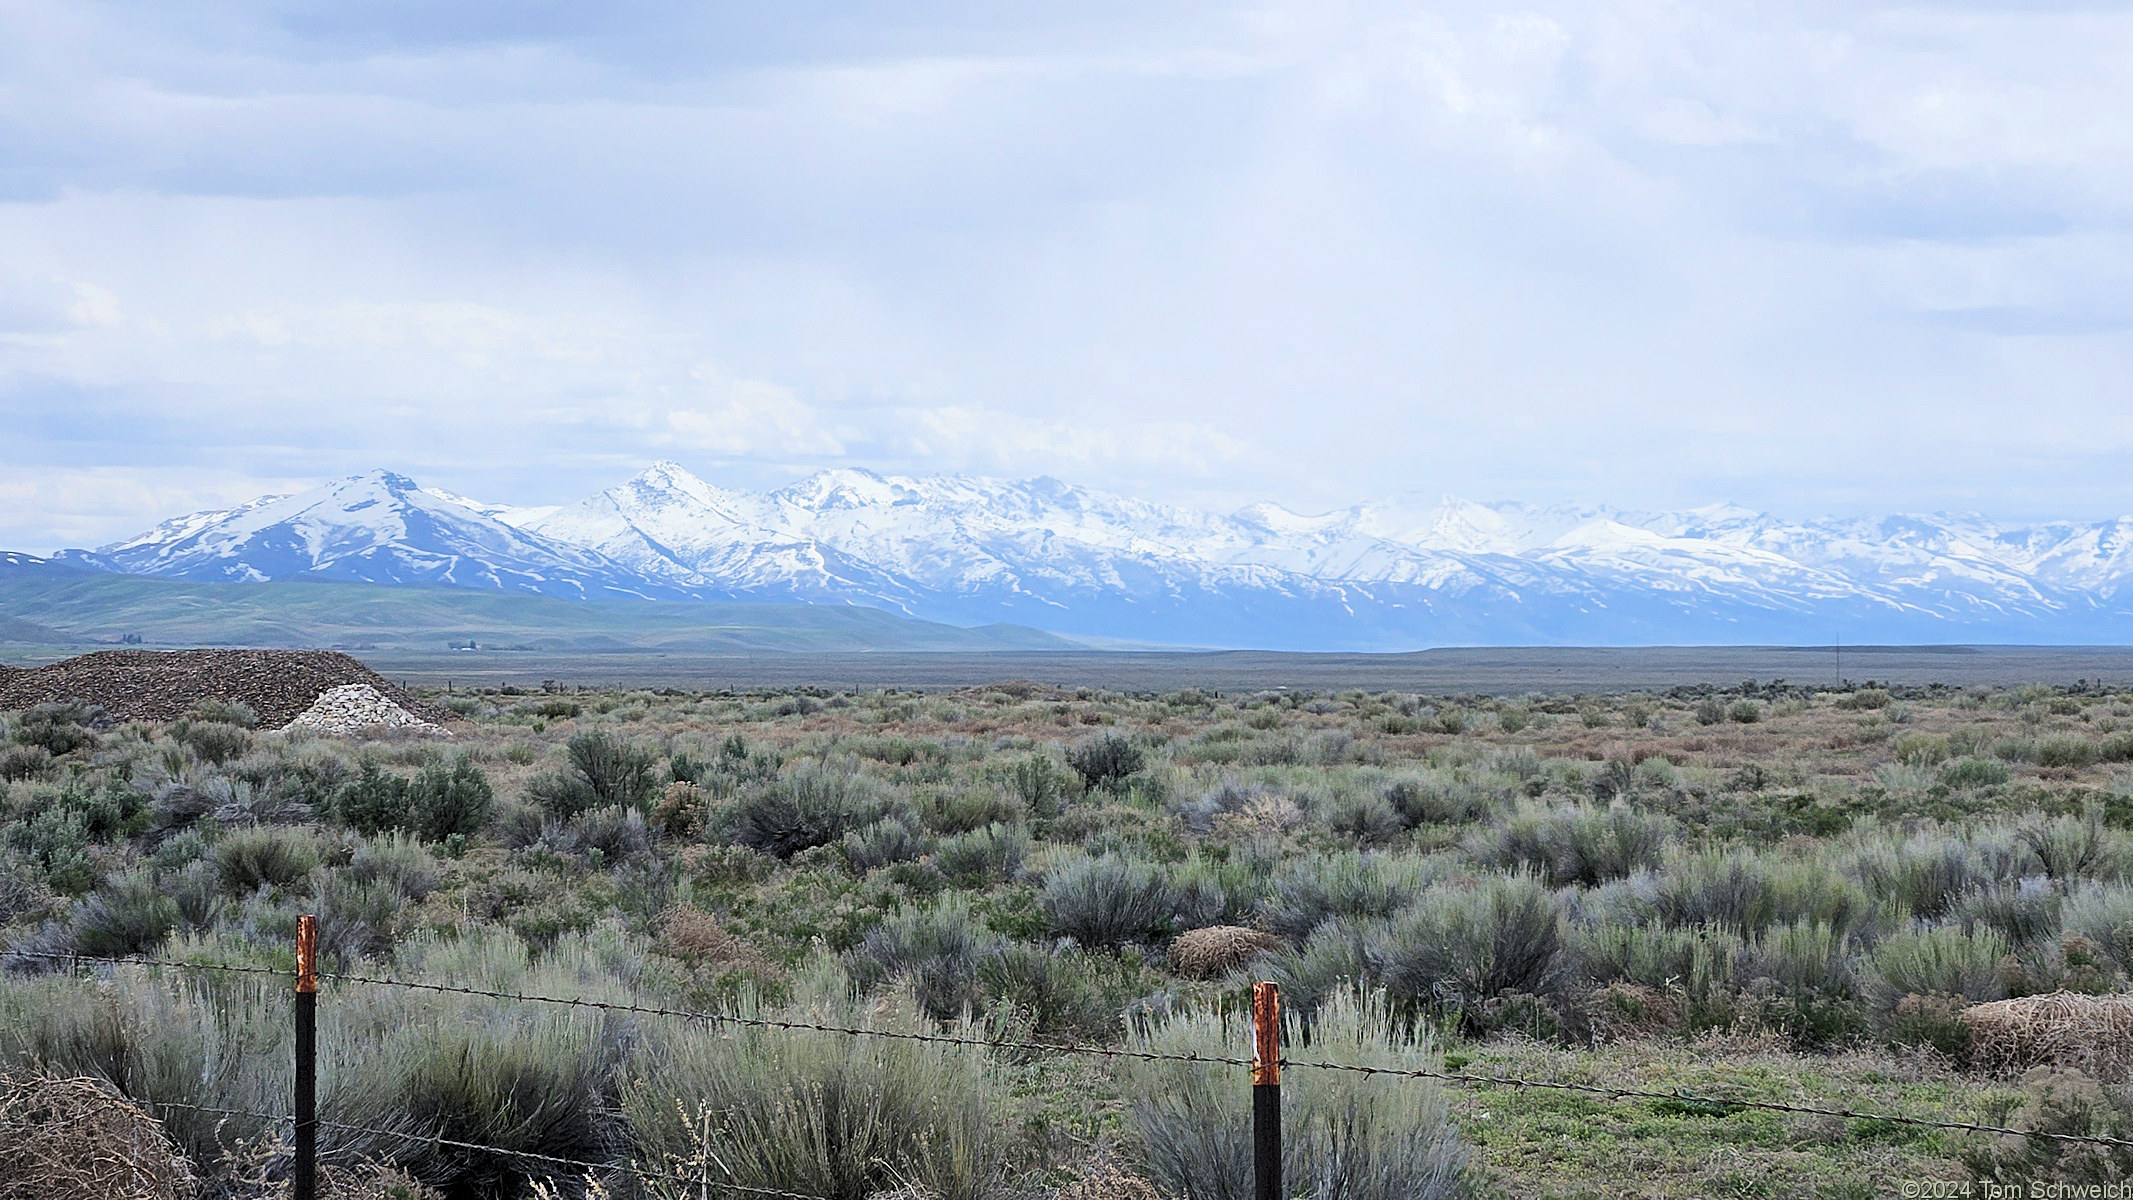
x: 163, y: 685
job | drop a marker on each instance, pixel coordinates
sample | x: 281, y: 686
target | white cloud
x: 956, y: 438
x: 1646, y: 254
x: 746, y: 417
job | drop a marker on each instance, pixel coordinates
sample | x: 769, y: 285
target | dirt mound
x: 2064, y: 1029
x: 65, y: 1139
x: 162, y: 685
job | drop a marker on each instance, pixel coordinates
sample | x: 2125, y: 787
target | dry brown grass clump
x: 67, y: 1139
x: 2093, y: 1034
x: 1218, y: 950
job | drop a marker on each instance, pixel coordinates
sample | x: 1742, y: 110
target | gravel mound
x: 162, y: 685
x: 357, y: 708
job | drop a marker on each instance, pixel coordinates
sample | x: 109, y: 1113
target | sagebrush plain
x: 1757, y: 891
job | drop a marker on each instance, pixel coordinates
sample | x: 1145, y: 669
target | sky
x: 1816, y: 258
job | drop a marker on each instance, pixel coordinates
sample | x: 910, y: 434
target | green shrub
x: 1348, y: 1136
x: 2066, y: 750
x: 1438, y: 799
x: 375, y: 801
x: 25, y: 762
x: 605, y: 771
x: 822, y: 1114
x: 214, y: 741
x: 56, y: 840
x: 1703, y: 964
x: 617, y: 771
x: 1921, y: 749
x: 443, y: 801
x: 1974, y: 772
x: 1711, y: 710
x: 1865, y: 700
x: 1105, y: 760
x: 225, y: 712
x: 249, y: 859
x: 2102, y: 913
x: 1744, y: 712
x: 1107, y: 901
x: 1037, y: 781
x: 59, y: 729
x: 2025, y: 911
x: 812, y: 805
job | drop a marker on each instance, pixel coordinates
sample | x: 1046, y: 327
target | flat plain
x: 1806, y: 896
x: 1488, y: 671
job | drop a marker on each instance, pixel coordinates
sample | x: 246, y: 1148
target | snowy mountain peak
x: 1401, y: 572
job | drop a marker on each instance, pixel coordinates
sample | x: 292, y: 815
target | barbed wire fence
x: 1265, y: 1066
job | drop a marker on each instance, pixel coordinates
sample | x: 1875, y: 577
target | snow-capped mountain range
x: 1399, y: 574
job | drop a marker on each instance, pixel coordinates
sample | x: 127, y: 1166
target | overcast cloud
x: 1824, y: 258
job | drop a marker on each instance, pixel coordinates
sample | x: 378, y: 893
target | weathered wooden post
x: 306, y: 1175
x: 1266, y: 1091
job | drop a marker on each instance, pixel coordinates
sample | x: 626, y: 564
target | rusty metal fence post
x: 306, y: 1147
x: 1266, y: 1091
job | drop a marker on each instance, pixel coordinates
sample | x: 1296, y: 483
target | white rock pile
x: 358, y: 708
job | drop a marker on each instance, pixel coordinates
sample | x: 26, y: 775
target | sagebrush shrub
x: 249, y: 859
x: 890, y: 840
x: 214, y: 741
x: 1939, y: 960
x: 1057, y: 991
x: 1457, y: 949
x: 127, y: 915
x: 1306, y: 892
x: 938, y: 952
x: 985, y: 856
x: 822, y: 1114
x: 1583, y: 843
x: 1974, y: 772
x: 1108, y: 901
x: 811, y: 805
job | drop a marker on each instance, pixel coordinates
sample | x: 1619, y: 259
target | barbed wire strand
x: 552, y: 1160
x: 1461, y: 1079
